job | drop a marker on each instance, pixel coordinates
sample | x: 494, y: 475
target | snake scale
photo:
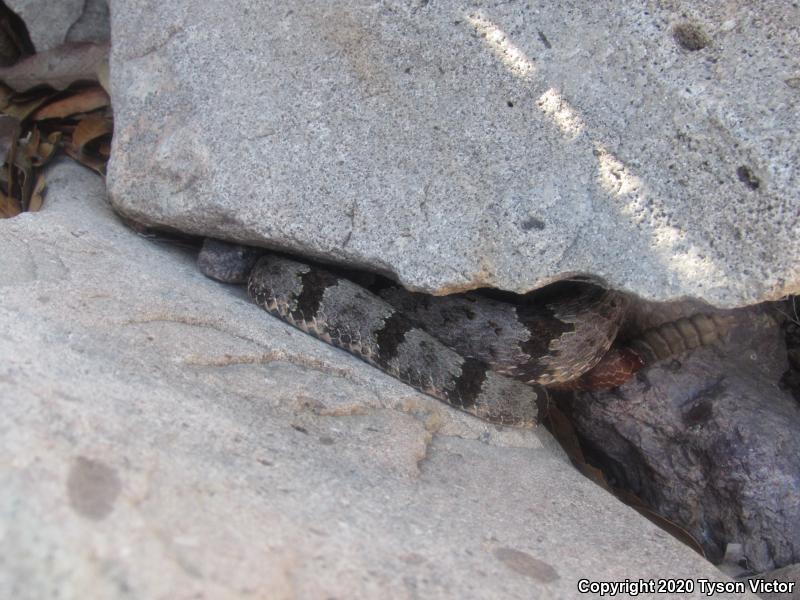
x: 480, y: 353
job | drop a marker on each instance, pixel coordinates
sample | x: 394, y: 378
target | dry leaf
x: 47, y: 149
x: 64, y: 127
x: 89, y: 129
x: 18, y: 179
x: 562, y: 429
x: 9, y: 131
x: 40, y: 151
x: 8, y: 207
x: 83, y: 101
x: 6, y: 93
x: 58, y: 68
x: 31, y: 146
x: 24, y: 179
x: 564, y: 432
x: 22, y: 109
x: 90, y: 142
x: 93, y: 162
x: 84, y: 113
x: 35, y: 203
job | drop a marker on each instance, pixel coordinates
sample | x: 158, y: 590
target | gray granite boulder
x: 790, y: 574
x: 47, y: 22
x: 94, y: 24
x: 50, y: 24
x: 162, y: 437
x: 457, y: 145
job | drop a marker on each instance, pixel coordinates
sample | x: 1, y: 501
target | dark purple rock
x: 710, y: 441
x: 791, y: 327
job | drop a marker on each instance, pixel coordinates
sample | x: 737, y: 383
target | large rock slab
x: 162, y: 437
x: 457, y: 145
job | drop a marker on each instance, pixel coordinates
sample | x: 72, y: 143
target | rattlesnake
x: 478, y: 352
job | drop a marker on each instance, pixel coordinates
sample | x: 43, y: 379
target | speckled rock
x: 94, y: 24
x: 790, y: 574
x: 162, y: 437
x: 48, y: 22
x: 457, y: 144
x: 53, y: 23
x: 710, y: 441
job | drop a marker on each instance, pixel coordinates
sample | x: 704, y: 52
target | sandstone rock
x: 710, y: 441
x: 162, y: 437
x: 456, y: 146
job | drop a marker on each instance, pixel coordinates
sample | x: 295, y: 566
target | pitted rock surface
x: 710, y: 441
x: 459, y: 145
x: 233, y: 453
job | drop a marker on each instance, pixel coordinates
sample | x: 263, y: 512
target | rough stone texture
x: 161, y: 437
x: 460, y: 144
x: 94, y: 24
x: 53, y: 23
x: 48, y: 22
x: 790, y: 573
x: 711, y: 442
x: 791, y: 378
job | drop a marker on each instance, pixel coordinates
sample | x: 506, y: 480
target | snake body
x: 480, y: 353
x: 350, y: 317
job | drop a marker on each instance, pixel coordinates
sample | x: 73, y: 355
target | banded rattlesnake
x: 482, y: 354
